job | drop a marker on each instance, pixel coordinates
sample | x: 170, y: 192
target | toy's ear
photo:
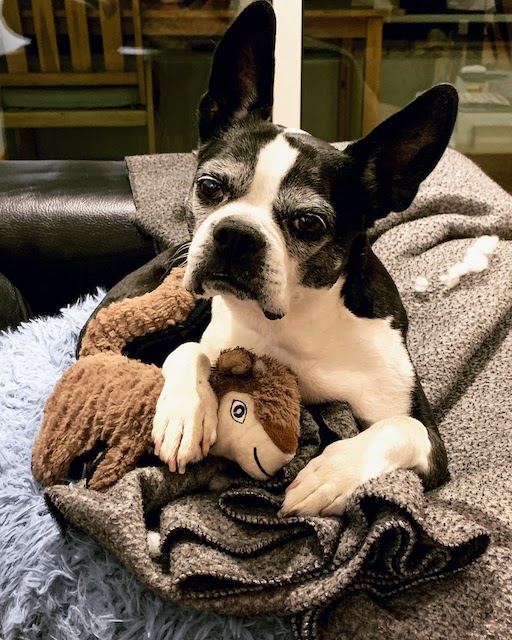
x: 401, y: 152
x: 235, y: 361
x: 242, y: 76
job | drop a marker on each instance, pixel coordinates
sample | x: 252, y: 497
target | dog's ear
x: 401, y: 152
x: 242, y: 76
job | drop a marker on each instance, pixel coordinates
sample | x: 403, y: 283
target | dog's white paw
x: 185, y: 425
x: 185, y: 422
x: 326, y: 483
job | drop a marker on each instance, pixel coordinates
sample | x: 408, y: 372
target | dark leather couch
x: 65, y: 229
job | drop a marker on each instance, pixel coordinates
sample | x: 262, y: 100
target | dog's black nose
x: 237, y: 239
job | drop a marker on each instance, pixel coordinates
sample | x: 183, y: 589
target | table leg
x: 372, y: 62
x: 345, y: 90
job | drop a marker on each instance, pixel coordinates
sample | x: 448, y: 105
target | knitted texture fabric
x: 159, y: 194
x: 351, y: 577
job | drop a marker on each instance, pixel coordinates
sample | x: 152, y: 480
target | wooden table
x: 159, y: 19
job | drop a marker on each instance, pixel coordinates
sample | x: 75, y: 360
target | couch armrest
x: 13, y: 308
x: 65, y: 229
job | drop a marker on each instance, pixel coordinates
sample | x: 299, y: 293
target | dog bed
x: 69, y: 587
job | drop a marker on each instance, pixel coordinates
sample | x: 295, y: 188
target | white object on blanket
x: 476, y: 260
x: 154, y: 541
x: 421, y: 284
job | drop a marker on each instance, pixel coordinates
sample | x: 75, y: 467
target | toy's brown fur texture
x: 102, y: 408
x: 107, y: 400
x: 121, y: 322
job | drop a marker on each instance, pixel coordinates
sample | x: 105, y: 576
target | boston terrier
x: 279, y: 221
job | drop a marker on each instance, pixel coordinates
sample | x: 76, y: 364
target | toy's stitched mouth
x: 259, y: 463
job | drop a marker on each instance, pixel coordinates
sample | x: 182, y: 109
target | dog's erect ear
x: 242, y: 76
x: 401, y: 152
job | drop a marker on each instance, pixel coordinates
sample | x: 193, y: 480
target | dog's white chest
x: 335, y: 355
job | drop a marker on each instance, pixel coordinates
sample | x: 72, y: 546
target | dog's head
x: 273, y: 210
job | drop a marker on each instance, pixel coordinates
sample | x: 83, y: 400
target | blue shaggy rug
x: 67, y: 588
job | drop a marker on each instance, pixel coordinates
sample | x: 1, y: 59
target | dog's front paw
x: 324, y: 486
x: 326, y: 483
x: 185, y: 425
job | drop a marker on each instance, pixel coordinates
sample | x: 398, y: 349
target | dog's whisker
x: 180, y: 254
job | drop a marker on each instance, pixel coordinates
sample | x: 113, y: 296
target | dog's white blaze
x: 274, y: 161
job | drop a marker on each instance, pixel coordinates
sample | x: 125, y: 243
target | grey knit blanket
x: 374, y: 572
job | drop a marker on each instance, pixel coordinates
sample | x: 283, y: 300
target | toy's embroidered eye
x: 210, y: 188
x: 238, y: 411
x: 309, y: 224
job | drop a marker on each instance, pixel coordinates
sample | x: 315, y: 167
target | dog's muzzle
x: 232, y: 261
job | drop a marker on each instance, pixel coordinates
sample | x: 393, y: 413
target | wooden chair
x: 78, y: 48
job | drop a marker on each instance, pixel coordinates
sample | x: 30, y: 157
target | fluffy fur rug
x: 71, y: 588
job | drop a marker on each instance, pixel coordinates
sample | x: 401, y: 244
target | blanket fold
x: 224, y: 548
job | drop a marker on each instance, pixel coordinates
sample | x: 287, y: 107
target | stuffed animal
x: 101, y: 411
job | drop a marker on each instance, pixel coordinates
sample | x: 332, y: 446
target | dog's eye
x: 309, y: 223
x: 210, y: 188
x: 238, y: 411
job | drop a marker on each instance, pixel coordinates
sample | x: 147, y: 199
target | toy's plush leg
x: 106, y: 473
x: 185, y: 423
x: 63, y: 436
x: 102, y: 403
x: 145, y: 279
x: 52, y: 456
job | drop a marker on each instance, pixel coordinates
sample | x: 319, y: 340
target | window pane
x: 363, y: 78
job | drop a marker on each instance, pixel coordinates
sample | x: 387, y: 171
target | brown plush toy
x: 101, y: 411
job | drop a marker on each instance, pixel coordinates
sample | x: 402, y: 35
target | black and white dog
x: 279, y: 221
